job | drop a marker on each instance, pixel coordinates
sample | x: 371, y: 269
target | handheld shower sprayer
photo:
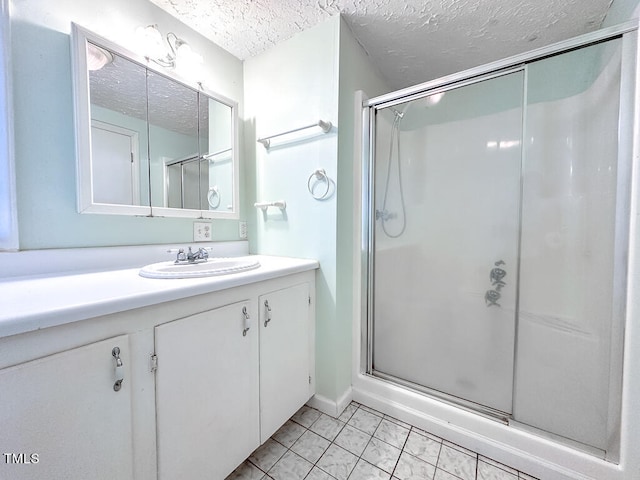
x: 384, y: 215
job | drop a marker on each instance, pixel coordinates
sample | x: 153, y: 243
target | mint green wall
x: 356, y: 73
x: 620, y: 11
x: 44, y: 128
x: 295, y: 83
x: 312, y: 76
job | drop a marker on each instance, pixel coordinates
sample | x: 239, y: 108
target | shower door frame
x: 628, y: 141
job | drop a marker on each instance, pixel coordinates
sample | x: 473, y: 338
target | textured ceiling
x: 409, y: 41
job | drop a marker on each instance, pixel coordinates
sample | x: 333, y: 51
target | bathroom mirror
x: 149, y: 143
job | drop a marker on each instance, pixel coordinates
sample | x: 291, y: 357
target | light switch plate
x: 202, y: 232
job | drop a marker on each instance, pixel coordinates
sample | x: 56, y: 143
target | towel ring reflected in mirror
x: 213, y: 197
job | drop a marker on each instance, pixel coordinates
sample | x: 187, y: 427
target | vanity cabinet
x: 227, y: 379
x: 206, y: 379
x: 60, y: 416
x: 207, y: 393
x: 285, y: 369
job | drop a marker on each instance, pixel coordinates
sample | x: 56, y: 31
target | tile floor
x: 364, y: 444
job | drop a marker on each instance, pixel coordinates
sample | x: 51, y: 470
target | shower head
x: 398, y: 114
x: 426, y: 102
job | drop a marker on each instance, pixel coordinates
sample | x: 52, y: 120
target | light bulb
x: 151, y: 44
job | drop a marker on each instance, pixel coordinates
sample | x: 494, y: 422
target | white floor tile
x: 290, y: 467
x: 289, y: 433
x: 338, y: 462
x: 425, y: 448
x: 391, y: 433
x: 382, y: 455
x: 327, y: 427
x: 317, y: 474
x: 353, y: 440
x: 348, y: 412
x: 427, y: 434
x: 457, y: 463
x: 306, y: 416
x: 524, y: 476
x: 498, y: 464
x: 459, y: 448
x: 246, y: 471
x: 412, y: 468
x: 364, y: 444
x: 366, y: 471
x: 371, y: 410
x: 442, y: 475
x: 397, y: 422
x: 365, y: 421
x: 310, y: 446
x: 487, y: 471
x: 267, y: 454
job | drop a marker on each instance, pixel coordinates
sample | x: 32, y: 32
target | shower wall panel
x: 567, y: 256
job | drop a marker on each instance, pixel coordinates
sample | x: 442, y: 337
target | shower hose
x: 395, y: 139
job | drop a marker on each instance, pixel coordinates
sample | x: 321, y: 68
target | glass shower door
x: 447, y: 208
x: 574, y: 247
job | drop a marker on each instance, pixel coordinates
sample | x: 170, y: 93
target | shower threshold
x: 479, y: 409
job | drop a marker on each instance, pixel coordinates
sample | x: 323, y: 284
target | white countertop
x: 36, y: 302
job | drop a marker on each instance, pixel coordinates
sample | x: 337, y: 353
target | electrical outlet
x: 242, y: 229
x: 202, y: 232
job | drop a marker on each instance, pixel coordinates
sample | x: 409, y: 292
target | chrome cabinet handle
x: 119, y: 371
x: 267, y: 312
x: 247, y: 321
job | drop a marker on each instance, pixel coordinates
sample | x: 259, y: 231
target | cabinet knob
x: 119, y: 371
x: 247, y: 321
x: 267, y: 312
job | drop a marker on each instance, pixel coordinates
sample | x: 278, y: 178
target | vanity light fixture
x: 178, y: 55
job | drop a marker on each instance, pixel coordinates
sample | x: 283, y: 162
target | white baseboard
x: 331, y: 407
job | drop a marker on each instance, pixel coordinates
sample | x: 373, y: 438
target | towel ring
x: 213, y: 197
x: 320, y: 175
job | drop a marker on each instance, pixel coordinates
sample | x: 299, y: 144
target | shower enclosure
x: 497, y: 223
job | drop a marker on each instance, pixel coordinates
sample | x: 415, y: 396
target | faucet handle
x: 180, y: 255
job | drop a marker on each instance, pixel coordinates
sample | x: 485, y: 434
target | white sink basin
x: 210, y: 268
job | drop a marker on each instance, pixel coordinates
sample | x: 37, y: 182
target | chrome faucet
x: 202, y: 255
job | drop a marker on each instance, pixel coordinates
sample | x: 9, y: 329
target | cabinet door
x: 284, y: 356
x: 60, y: 416
x: 206, y: 393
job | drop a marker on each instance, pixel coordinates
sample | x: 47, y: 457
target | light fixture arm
x: 156, y: 49
x: 174, y: 43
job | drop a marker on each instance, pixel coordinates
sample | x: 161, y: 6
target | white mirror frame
x: 8, y: 210
x: 82, y: 103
